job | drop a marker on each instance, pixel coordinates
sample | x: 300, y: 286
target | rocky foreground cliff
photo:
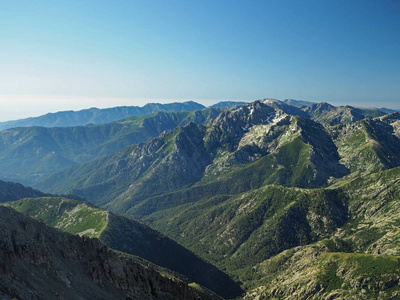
x: 40, y: 262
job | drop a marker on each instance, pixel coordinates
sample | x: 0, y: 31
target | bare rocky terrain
x: 40, y: 262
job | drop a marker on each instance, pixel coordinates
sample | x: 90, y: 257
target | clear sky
x: 62, y: 55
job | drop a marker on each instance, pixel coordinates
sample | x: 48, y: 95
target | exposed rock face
x: 40, y: 262
x: 287, y: 107
x: 230, y: 126
x: 128, y: 236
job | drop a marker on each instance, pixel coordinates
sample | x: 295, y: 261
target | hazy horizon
x: 33, y: 107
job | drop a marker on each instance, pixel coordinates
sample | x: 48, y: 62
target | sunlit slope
x: 312, y: 272
x: 369, y: 145
x: 359, y: 260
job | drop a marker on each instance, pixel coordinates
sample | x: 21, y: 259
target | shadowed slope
x: 128, y: 236
x: 38, y: 261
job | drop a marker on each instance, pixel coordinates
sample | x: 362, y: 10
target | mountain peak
x: 320, y: 107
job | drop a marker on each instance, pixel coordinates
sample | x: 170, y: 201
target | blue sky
x: 58, y: 55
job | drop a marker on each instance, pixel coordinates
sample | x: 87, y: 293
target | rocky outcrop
x: 229, y: 127
x: 40, y: 262
x: 128, y: 236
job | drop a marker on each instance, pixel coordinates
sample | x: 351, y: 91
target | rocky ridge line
x: 40, y: 262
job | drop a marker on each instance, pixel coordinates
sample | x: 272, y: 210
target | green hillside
x: 312, y: 272
x: 253, y: 225
x: 306, y: 234
x: 360, y: 260
x: 288, y: 242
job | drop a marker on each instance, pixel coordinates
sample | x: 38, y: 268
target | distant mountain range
x: 31, y: 152
x: 388, y: 110
x: 107, y: 115
x: 290, y: 201
x: 98, y: 116
x: 223, y: 104
x: 298, y: 103
x: 302, y: 104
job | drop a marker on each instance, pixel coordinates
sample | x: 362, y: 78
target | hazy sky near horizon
x: 69, y: 55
